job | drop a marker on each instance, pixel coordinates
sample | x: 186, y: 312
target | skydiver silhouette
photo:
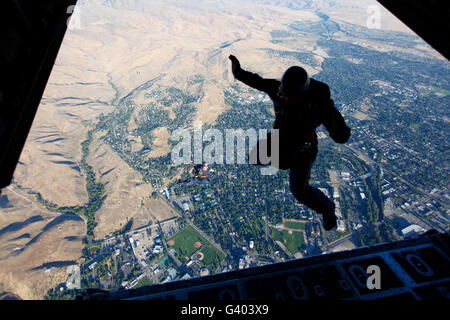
x: 200, y: 173
x: 301, y: 105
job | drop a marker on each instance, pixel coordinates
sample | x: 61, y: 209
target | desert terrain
x: 36, y: 245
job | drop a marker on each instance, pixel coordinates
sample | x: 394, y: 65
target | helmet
x: 294, y: 81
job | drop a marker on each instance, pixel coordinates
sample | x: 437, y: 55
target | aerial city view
x: 97, y: 200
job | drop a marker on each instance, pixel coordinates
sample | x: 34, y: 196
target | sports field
x: 212, y: 257
x: 163, y: 262
x: 292, y: 240
x: 294, y: 225
x: 186, y: 242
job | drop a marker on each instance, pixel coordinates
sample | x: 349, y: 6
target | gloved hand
x: 342, y: 135
x: 235, y: 65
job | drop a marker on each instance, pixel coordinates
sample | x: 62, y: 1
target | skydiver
x: 200, y: 174
x: 301, y: 105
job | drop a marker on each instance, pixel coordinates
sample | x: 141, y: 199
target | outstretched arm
x: 333, y: 120
x: 252, y: 79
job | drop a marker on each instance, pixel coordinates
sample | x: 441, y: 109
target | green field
x: 426, y: 91
x: 184, y: 242
x: 294, y: 225
x: 163, y: 262
x: 292, y: 242
x: 184, y: 245
x: 213, y: 257
x: 142, y: 283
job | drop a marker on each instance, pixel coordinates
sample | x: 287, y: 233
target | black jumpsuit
x: 297, y: 131
x: 200, y: 176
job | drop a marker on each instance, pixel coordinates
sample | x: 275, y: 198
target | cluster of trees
x: 375, y: 235
x: 151, y: 118
x: 94, y: 189
x: 148, y: 119
x: 245, y: 116
x: 303, y: 57
x: 176, y: 96
x: 126, y: 228
x: 57, y: 294
x: 48, y: 204
x: 324, y: 28
x: 374, y: 197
